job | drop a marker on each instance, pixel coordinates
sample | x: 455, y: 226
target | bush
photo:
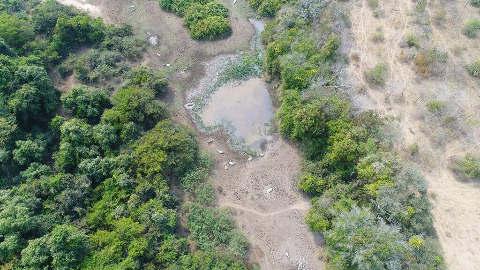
x: 435, y: 106
x: 210, y: 28
x: 377, y: 75
x: 378, y: 36
x: 358, y: 241
x: 267, y: 8
x: 142, y: 77
x: 475, y: 3
x: 472, y: 28
x: 204, y: 18
x: 213, y: 229
x: 412, y: 41
x: 197, y: 12
x: 86, y: 103
x: 474, y: 69
x: 468, y: 167
x: 428, y: 62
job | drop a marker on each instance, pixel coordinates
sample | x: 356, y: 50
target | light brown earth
x: 272, y: 220
x: 442, y: 136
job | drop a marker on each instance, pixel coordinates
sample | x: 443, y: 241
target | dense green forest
x: 371, y: 207
x: 86, y: 175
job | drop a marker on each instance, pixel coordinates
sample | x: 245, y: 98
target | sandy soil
x: 441, y: 137
x: 262, y: 193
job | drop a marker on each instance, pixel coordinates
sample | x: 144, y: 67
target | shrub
x: 468, y: 167
x: 428, y: 62
x: 472, y: 28
x: 359, y: 241
x: 412, y: 41
x: 474, y: 69
x: 204, y: 18
x: 197, y: 12
x: 377, y: 75
x: 86, y: 103
x: 475, y: 3
x: 378, y: 36
x: 373, y: 3
x: 142, y: 77
x: 435, y: 106
x: 267, y: 8
x: 210, y: 28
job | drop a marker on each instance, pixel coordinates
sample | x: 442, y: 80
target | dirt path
x: 302, y: 206
x: 262, y: 193
x: 456, y: 207
x: 268, y: 206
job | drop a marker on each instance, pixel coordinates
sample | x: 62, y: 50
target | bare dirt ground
x: 262, y: 193
x: 442, y: 136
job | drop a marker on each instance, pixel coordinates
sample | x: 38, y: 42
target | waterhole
x: 244, y: 109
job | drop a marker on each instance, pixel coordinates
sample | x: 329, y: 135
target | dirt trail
x: 262, y: 193
x: 456, y: 207
x: 268, y: 206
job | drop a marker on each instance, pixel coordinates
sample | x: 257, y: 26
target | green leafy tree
x: 168, y: 149
x: 144, y: 78
x: 86, y: 103
x: 358, y: 241
x: 15, y: 30
x: 28, y: 151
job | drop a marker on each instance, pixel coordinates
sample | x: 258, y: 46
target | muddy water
x: 244, y: 109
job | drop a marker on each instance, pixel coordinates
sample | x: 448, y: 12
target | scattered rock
x: 231, y: 163
x: 210, y: 141
x: 153, y: 40
x: 189, y: 105
x: 168, y: 65
x: 249, y: 159
x: 234, y: 2
x: 159, y: 55
x: 262, y: 154
x: 226, y: 166
x: 269, y: 190
x: 220, y: 151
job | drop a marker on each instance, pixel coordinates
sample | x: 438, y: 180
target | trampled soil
x: 262, y: 193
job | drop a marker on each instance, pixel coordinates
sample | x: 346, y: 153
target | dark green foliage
x: 179, y: 7
x: 94, y: 169
x: 212, y: 27
x: 373, y: 210
x: 205, y: 19
x: 197, y: 12
x: 28, y: 151
x: 6, y: 49
x: 35, y: 98
x: 77, y: 30
x: 213, y: 228
x: 86, y: 103
x: 144, y: 78
x: 358, y: 241
x: 15, y: 30
x: 468, y: 167
x: 208, y: 260
x: 167, y: 148
x: 377, y: 75
x: 267, y: 8
x: 474, y: 69
x: 45, y: 16
x: 133, y: 104
x: 472, y: 28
